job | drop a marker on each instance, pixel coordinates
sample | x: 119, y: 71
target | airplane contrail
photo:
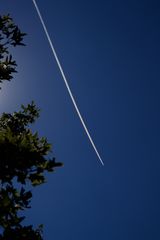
x: 66, y: 82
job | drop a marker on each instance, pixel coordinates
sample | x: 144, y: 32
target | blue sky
x: 110, y: 54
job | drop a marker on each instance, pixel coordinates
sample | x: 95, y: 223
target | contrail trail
x: 66, y: 82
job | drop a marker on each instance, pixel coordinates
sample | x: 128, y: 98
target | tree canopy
x: 23, y: 154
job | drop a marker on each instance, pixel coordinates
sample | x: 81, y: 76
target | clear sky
x: 110, y: 51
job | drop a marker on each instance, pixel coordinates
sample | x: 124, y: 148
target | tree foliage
x: 23, y: 154
x: 10, y: 35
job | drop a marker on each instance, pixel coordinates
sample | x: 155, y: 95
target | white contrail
x: 65, y: 81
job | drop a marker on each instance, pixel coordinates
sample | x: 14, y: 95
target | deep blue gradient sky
x: 110, y: 51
